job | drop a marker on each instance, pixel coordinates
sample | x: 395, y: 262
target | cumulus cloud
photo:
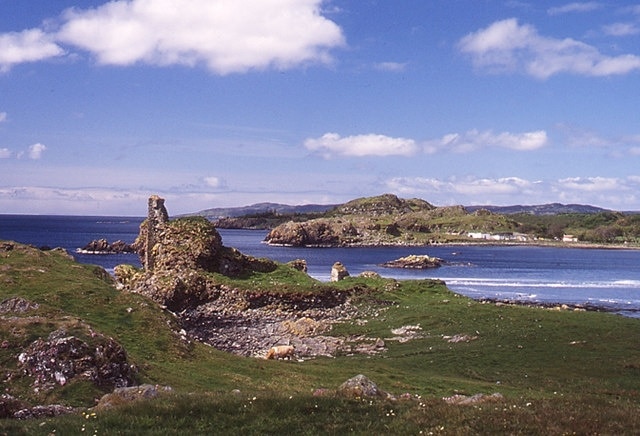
x: 331, y: 144
x: 507, y: 46
x: 574, y: 7
x: 5, y: 153
x: 3, y: 117
x: 228, y: 36
x: 35, y: 151
x: 27, y: 46
x: 474, y: 139
x: 215, y: 182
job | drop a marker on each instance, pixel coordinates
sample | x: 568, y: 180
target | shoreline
x: 552, y: 244
x: 574, y: 307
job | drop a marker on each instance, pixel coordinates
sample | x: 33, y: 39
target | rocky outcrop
x: 183, y: 261
x: 157, y: 217
x: 102, y: 246
x: 321, y: 232
x: 62, y: 358
x: 386, y: 220
x: 338, y: 272
x: 414, y: 262
x: 178, y: 257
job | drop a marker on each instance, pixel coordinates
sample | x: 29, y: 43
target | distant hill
x: 285, y: 209
x: 262, y: 208
x: 540, y: 209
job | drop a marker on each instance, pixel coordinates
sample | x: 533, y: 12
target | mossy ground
x: 559, y: 371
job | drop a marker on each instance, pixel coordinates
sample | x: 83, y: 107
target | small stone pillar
x: 338, y: 272
x: 157, y: 215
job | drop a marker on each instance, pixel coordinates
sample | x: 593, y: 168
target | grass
x: 559, y: 371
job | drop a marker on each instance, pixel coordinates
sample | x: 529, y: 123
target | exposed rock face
x: 414, y: 262
x: 157, y: 216
x: 62, y: 357
x: 185, y: 254
x: 178, y: 255
x: 386, y: 220
x: 299, y: 264
x: 338, y: 272
x: 321, y: 232
x: 102, y: 246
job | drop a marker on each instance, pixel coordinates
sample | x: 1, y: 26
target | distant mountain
x: 261, y: 208
x: 285, y: 209
x: 540, y: 209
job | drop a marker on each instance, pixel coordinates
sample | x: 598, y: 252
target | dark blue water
x: 598, y: 277
x: 72, y: 232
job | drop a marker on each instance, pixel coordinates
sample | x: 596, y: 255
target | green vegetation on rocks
x: 553, y: 371
x: 389, y: 220
x: 80, y: 353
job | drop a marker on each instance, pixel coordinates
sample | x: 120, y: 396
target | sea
x: 604, y: 278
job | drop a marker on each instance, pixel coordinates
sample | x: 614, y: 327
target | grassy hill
x: 557, y: 371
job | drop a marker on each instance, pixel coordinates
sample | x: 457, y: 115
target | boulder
x: 299, y: 264
x: 61, y: 358
x: 360, y: 387
x: 338, y: 272
x: 414, y: 262
x: 130, y: 394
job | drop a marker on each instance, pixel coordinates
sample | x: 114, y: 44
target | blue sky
x: 213, y: 103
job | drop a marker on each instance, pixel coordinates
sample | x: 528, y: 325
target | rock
x: 338, y: 272
x: 463, y: 400
x: 414, y: 262
x: 125, y: 395
x: 178, y: 256
x: 320, y: 232
x: 157, y: 216
x: 299, y: 264
x: 102, y: 246
x: 61, y: 358
x: 369, y: 275
x: 360, y: 387
x: 9, y: 405
x: 17, y: 305
x: 50, y: 410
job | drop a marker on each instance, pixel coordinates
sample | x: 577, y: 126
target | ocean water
x: 599, y: 277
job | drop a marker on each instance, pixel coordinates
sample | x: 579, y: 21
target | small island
x: 414, y: 261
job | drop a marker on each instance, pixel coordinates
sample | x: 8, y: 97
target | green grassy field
x: 559, y: 372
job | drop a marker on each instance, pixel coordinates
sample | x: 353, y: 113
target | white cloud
x: 35, y: 151
x: 26, y: 46
x: 215, y: 182
x: 461, y: 187
x: 507, y: 46
x: 5, y: 153
x: 3, y: 117
x: 591, y: 184
x: 228, y: 36
x: 621, y: 29
x: 361, y: 145
x: 609, y: 192
x: 574, y: 7
x: 474, y: 139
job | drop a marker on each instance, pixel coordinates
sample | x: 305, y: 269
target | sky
x: 221, y: 103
